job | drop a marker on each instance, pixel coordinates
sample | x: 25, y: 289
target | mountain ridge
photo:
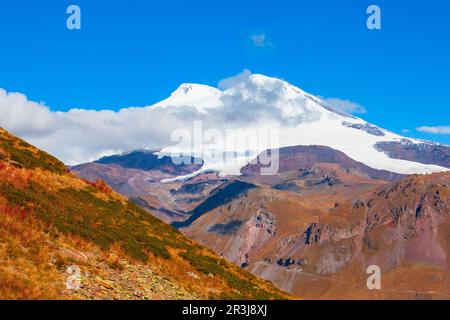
x: 317, y: 243
x: 52, y: 221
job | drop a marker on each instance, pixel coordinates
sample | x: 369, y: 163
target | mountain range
x: 347, y: 194
x: 261, y: 103
x: 196, y: 214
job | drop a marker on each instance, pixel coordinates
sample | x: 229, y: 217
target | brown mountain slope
x: 298, y: 157
x: 315, y: 227
x: 169, y: 201
x: 431, y: 153
x: 51, y: 220
x: 316, y: 241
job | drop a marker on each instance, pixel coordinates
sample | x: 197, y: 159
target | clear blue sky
x: 134, y: 53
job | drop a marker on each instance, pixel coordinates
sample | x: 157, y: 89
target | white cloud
x: 344, y: 106
x: 232, y: 81
x: 260, y: 40
x: 28, y: 117
x: 80, y: 135
x: 434, y: 130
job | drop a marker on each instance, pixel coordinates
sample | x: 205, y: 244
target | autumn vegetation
x: 50, y: 219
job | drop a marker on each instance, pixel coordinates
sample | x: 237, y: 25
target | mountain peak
x: 194, y: 95
x: 194, y: 89
x: 257, y: 77
x: 262, y: 80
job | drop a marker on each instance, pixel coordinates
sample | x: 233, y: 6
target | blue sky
x: 134, y: 53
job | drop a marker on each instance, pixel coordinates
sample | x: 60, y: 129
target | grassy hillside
x: 50, y: 220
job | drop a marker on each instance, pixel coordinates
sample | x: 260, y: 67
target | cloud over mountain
x: 246, y: 104
x: 26, y: 117
x: 81, y: 135
x: 345, y: 106
x: 434, y: 130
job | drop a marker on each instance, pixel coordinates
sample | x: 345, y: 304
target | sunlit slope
x: 50, y: 220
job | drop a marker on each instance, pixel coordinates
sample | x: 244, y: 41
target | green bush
x: 80, y: 213
x: 27, y: 159
x: 243, y: 287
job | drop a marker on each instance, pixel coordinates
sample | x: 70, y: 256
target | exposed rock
x: 358, y: 204
x: 148, y: 160
x: 426, y: 152
x: 228, y: 228
x: 373, y: 130
x: 303, y: 157
x: 219, y: 197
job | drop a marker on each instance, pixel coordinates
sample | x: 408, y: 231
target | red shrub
x: 100, y: 184
x: 21, y: 213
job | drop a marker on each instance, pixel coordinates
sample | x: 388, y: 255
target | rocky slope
x: 430, y: 153
x: 138, y: 176
x: 316, y: 236
x: 139, y: 179
x: 303, y: 157
x: 315, y: 226
x: 54, y: 225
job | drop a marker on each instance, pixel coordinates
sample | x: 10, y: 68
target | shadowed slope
x: 218, y: 197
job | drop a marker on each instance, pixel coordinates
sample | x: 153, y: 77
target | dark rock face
x: 373, y: 130
x: 220, y: 196
x: 428, y: 153
x: 328, y: 180
x: 312, y: 234
x: 170, y: 213
x: 195, y: 188
x: 303, y: 157
x: 265, y: 220
x: 285, y: 262
x: 357, y: 204
x: 288, y: 186
x: 147, y: 160
x: 228, y: 228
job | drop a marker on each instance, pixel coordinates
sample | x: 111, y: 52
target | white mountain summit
x: 223, y: 118
x: 262, y: 103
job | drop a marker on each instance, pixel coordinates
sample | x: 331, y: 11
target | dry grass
x: 50, y: 219
x: 26, y: 271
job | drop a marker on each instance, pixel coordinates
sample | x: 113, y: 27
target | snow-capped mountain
x: 262, y: 103
x: 197, y: 95
x: 226, y: 127
x: 339, y: 193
